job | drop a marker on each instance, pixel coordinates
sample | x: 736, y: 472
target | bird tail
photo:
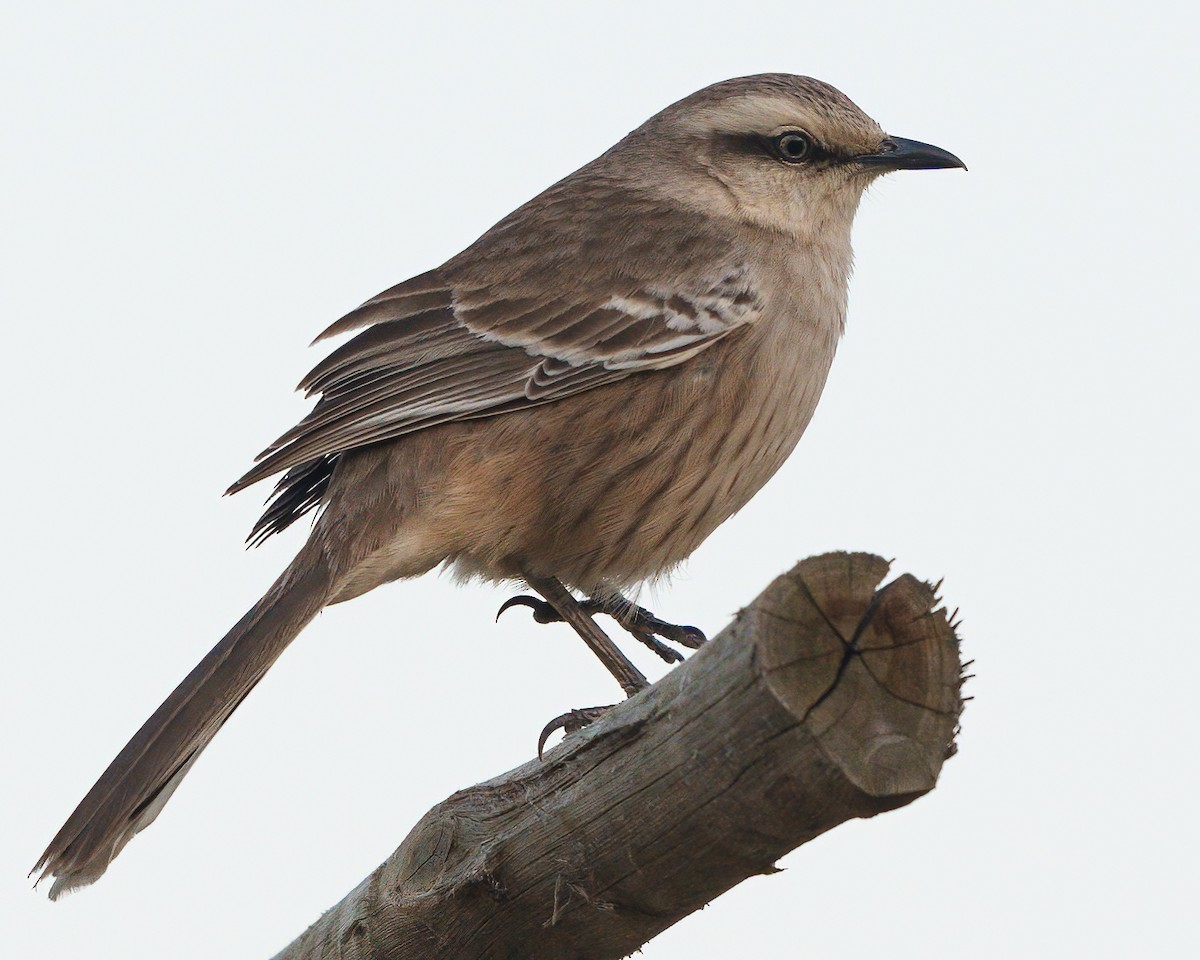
x: 138, y: 783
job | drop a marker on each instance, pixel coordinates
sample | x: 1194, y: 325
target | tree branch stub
x: 825, y: 700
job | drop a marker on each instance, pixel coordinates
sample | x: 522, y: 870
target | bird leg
x: 562, y: 602
x: 638, y: 621
x: 560, y: 606
x: 641, y: 622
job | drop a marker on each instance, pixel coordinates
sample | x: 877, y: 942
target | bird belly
x: 622, y: 483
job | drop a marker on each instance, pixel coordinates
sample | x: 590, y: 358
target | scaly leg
x: 564, y: 604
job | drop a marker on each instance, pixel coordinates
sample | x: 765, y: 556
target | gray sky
x: 189, y: 196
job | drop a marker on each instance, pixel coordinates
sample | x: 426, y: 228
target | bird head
x: 788, y: 153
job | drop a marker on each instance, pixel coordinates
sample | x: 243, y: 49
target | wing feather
x: 445, y: 346
x: 426, y: 291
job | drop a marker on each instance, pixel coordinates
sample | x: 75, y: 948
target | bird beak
x: 896, y: 153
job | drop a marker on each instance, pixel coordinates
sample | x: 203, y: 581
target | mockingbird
x: 575, y: 401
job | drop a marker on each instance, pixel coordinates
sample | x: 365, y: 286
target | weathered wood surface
x: 825, y: 700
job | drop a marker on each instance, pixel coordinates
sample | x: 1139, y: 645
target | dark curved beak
x: 896, y: 153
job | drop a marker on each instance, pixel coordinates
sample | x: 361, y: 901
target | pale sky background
x: 189, y: 195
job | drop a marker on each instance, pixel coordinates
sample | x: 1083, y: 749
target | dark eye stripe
x: 773, y: 147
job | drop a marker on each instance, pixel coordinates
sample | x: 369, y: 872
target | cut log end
x: 873, y: 672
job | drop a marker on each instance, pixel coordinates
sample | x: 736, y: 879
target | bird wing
x: 433, y: 352
x: 590, y: 282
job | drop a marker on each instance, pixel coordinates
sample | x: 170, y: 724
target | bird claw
x: 691, y: 637
x: 639, y: 622
x: 543, y: 612
x: 570, y: 722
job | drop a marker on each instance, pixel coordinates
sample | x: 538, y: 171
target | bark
x: 825, y: 700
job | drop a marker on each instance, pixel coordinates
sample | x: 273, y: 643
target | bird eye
x: 792, y: 146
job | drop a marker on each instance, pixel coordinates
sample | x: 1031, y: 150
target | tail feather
x: 138, y: 783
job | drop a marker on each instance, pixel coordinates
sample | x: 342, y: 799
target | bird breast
x: 623, y: 482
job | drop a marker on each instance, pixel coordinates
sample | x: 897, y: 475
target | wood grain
x: 825, y: 700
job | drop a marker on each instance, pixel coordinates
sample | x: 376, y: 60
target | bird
x: 574, y: 402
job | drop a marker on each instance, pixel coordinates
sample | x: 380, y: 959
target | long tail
x: 138, y: 783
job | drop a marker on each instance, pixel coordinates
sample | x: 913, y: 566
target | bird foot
x: 570, y: 722
x: 635, y: 620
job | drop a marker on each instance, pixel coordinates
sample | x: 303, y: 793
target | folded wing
x: 435, y: 351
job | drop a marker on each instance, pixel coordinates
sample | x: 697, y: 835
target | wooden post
x: 825, y: 700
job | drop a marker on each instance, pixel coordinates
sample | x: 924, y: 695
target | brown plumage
x: 585, y: 393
